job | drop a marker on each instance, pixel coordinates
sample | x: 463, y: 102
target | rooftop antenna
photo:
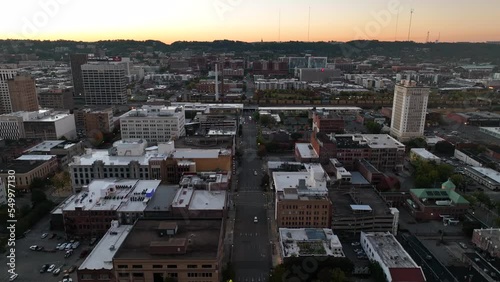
x: 409, y: 27
x: 427, y: 40
x: 309, y: 24
x: 397, y: 21
x: 439, y: 37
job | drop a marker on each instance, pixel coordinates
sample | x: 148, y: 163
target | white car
x: 255, y: 220
x: 62, y: 247
x: 255, y: 173
x: 75, y: 245
x: 13, y: 277
x: 33, y: 248
x: 51, y: 268
x: 44, y: 235
x: 68, y: 246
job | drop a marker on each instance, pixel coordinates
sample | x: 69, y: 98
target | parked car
x: 56, y: 271
x: 93, y: 241
x: 40, y: 248
x: 75, y: 245
x: 62, y: 246
x: 68, y: 253
x: 72, y: 269
x: 51, y: 268
x: 33, y: 248
x: 355, y: 244
x: 13, y: 277
x: 463, y: 245
x: 44, y: 235
x: 44, y: 268
x: 68, y: 246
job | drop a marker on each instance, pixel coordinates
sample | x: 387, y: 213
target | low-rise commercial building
x: 29, y: 167
x: 304, y: 153
x: 132, y: 159
x: 64, y: 150
x: 493, y: 131
x: 301, y: 200
x: 153, y: 123
x: 434, y: 204
x: 90, y: 213
x: 423, y: 155
x: 182, y: 250
x: 362, y: 209
x: 328, y: 122
x: 487, y: 240
x: 397, y: 264
x: 98, y: 265
x: 309, y: 242
x: 61, y: 99
x: 485, y: 176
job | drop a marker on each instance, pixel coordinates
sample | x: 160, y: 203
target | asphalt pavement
x: 251, y: 251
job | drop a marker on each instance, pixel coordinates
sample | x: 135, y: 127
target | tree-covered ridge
x: 407, y: 51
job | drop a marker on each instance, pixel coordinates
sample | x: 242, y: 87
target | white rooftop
x: 45, y: 146
x: 36, y: 157
x: 487, y: 173
x: 491, y: 130
x: 423, y: 153
x: 306, y: 150
x: 112, y: 194
x: 208, y: 200
x: 432, y: 140
x: 315, y: 180
x: 309, y: 242
x: 102, y: 255
x: 389, y: 250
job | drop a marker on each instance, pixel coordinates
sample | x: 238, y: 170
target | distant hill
x: 407, y: 51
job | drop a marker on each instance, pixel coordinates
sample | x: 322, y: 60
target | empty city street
x: 251, y: 252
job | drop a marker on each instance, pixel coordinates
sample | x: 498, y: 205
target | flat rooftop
x: 306, y: 150
x: 21, y: 166
x: 112, y: 194
x: 389, y: 250
x: 102, y: 255
x: 495, y: 131
x: 208, y: 200
x: 315, y: 180
x: 309, y: 242
x: 205, y: 236
x: 343, y: 201
x: 423, y: 153
x: 163, y: 198
x: 45, y: 146
x: 374, y: 141
x: 36, y: 157
x: 487, y: 173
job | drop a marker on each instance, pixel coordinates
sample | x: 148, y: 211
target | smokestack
x: 216, y: 83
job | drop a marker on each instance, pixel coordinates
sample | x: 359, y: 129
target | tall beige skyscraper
x: 408, y: 110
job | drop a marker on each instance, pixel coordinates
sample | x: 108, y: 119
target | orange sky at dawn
x: 251, y: 20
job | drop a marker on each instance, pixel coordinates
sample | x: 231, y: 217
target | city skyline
x: 251, y: 21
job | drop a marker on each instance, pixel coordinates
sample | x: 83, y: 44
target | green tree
x: 338, y: 275
x: 38, y: 196
x: 377, y: 273
x: 267, y: 120
x: 264, y: 182
x: 296, y: 136
x: 373, y: 127
x: 277, y: 274
x: 444, y: 147
x: 458, y: 180
x: 38, y: 183
x: 256, y: 116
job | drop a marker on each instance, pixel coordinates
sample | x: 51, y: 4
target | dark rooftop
x: 368, y: 166
x: 203, y: 237
x: 347, y: 142
x: 20, y: 166
x: 342, y: 199
x: 162, y: 198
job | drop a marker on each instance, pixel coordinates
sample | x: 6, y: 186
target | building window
x: 123, y: 274
x: 138, y: 274
x: 136, y: 266
x: 157, y: 266
x: 104, y: 277
x: 86, y: 276
x: 122, y: 266
x: 206, y: 266
x: 192, y: 266
x: 172, y: 266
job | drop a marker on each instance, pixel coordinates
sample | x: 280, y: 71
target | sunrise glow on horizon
x: 244, y: 20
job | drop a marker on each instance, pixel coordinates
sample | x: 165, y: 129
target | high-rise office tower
x: 5, y: 102
x: 408, y: 110
x: 22, y: 91
x: 104, y: 84
x: 76, y: 61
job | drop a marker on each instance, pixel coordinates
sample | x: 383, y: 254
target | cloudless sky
x: 251, y: 20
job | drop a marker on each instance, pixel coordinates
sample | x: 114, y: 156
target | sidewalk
x: 273, y: 231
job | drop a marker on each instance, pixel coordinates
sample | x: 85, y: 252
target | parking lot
x: 29, y: 262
